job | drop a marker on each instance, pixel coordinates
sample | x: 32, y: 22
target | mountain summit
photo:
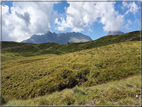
x: 61, y: 38
x: 115, y: 33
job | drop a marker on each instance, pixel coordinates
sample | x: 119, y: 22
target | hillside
x: 35, y: 70
x: 120, y: 92
x: 24, y: 49
x: 35, y: 76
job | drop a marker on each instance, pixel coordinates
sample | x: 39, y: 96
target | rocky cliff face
x: 61, y: 38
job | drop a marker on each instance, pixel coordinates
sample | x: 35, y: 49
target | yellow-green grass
x: 31, y: 77
x: 26, y: 49
x: 118, y: 92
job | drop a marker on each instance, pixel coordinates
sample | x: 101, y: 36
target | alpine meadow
x: 106, y: 72
x: 71, y: 53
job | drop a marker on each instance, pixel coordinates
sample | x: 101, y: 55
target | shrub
x: 100, y: 64
x: 68, y: 83
x: 66, y: 73
x: 76, y: 90
x: 2, y: 100
x: 69, y: 100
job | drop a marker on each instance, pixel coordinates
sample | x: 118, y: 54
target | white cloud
x: 80, y: 15
x: 131, y: 7
x: 128, y: 24
x: 109, y: 17
x: 28, y: 18
x: 25, y: 19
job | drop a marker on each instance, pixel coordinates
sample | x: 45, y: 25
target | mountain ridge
x: 115, y: 33
x: 61, y: 38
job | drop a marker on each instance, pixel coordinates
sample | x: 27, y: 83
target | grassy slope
x: 119, y: 92
x: 54, y: 48
x: 36, y: 76
x: 33, y: 76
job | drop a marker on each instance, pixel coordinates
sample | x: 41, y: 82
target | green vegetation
x: 112, y: 93
x: 24, y: 49
x: 75, y: 72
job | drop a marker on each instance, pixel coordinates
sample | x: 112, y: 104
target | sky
x: 21, y: 20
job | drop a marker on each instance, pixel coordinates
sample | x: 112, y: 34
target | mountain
x: 115, y: 33
x: 61, y: 38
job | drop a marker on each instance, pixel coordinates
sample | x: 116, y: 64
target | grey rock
x: 61, y: 38
x: 115, y: 33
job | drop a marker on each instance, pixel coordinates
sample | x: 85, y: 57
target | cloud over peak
x: 24, y: 19
x: 83, y: 14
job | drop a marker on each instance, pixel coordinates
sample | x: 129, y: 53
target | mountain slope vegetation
x: 25, y: 49
x: 120, y: 92
x: 26, y: 76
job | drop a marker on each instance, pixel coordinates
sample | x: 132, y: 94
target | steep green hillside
x: 120, y: 92
x: 39, y: 75
x: 54, y: 48
x: 51, y: 69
